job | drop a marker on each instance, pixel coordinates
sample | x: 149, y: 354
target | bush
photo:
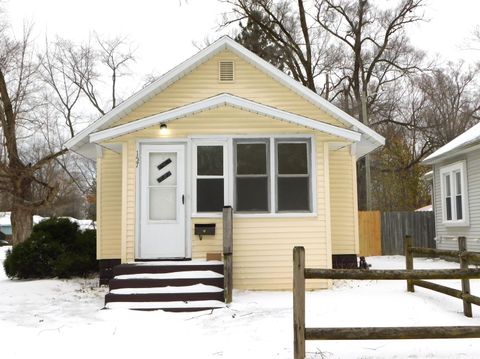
x: 56, y: 248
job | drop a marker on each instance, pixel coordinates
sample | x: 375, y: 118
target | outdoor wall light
x: 163, y: 129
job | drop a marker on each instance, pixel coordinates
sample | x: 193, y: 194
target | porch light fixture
x: 163, y: 129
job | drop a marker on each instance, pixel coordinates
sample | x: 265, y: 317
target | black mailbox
x: 205, y: 229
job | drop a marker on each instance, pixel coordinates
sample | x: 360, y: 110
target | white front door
x: 162, y: 202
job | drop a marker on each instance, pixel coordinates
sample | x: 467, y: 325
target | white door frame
x: 187, y: 207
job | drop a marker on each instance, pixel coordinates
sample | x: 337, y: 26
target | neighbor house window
x: 210, y: 177
x: 252, y: 169
x: 293, y: 176
x: 454, y: 194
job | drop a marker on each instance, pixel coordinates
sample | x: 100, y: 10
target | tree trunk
x: 22, y: 222
x: 22, y: 216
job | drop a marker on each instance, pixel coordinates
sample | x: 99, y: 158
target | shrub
x: 56, y: 248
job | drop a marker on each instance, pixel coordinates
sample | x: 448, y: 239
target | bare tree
x: 79, y: 72
x: 23, y: 165
x: 306, y: 52
x: 452, y: 102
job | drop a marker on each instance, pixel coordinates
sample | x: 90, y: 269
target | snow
x: 173, y: 275
x: 83, y: 224
x: 197, y: 288
x: 166, y: 305
x: 63, y: 319
x: 467, y: 138
x: 427, y: 208
x: 193, y: 262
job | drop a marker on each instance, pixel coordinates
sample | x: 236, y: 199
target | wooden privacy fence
x: 396, y: 225
x: 300, y: 274
x: 370, y: 233
x: 383, y: 233
x: 465, y: 259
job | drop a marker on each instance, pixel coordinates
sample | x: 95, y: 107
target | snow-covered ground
x: 63, y: 319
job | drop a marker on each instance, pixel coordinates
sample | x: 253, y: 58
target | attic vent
x: 225, y: 71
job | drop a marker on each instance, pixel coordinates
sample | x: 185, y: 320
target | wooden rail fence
x: 300, y: 274
x: 465, y: 258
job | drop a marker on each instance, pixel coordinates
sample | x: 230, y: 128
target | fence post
x: 409, y: 260
x: 462, y: 247
x: 299, y: 302
x: 228, y: 252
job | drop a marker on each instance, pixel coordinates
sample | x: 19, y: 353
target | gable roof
x: 459, y: 144
x: 370, y: 139
x: 224, y: 100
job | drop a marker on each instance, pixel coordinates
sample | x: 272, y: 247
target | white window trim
x: 226, y: 182
x: 450, y: 170
x: 229, y: 183
x: 276, y: 175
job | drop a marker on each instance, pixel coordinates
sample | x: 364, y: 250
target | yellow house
x: 227, y: 128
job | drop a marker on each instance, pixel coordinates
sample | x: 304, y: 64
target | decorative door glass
x: 162, y: 186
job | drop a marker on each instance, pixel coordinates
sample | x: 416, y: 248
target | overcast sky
x: 163, y: 30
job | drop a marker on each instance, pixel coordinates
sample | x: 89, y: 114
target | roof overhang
x: 80, y: 143
x: 219, y: 101
x: 440, y: 157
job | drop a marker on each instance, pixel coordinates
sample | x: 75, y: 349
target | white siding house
x: 456, y: 190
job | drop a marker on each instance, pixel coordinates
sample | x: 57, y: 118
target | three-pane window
x: 268, y: 175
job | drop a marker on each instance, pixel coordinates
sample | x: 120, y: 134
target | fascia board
x: 224, y: 100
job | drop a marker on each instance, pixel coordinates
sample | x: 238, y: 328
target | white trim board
x: 218, y: 101
x: 371, y: 140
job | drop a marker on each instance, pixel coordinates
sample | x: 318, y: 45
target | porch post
x: 228, y: 252
x: 123, y: 245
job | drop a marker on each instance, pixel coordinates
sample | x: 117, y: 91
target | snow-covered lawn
x: 62, y: 319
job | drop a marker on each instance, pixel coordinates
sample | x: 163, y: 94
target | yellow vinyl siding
x: 109, y: 195
x: 249, y: 83
x: 343, y: 202
x: 262, y: 246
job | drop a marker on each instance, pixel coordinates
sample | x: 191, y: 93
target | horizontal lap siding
x: 249, y: 83
x: 110, y: 196
x: 472, y: 232
x: 343, y: 202
x: 263, y: 247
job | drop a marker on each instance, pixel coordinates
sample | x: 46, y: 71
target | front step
x: 169, y: 286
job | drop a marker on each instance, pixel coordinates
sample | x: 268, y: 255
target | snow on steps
x: 172, y: 306
x: 172, y: 286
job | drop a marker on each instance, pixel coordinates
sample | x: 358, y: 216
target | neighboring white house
x: 456, y: 190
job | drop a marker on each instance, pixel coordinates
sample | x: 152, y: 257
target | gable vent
x: 225, y: 71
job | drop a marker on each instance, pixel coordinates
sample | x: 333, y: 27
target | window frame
x: 229, y: 188
x: 277, y: 175
x: 268, y: 167
x: 451, y: 170
x: 195, y: 176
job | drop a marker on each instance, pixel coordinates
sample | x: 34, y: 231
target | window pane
x: 292, y: 158
x: 251, y: 158
x: 252, y: 194
x: 162, y: 168
x: 459, y: 207
x: 210, y: 194
x: 447, y: 185
x: 162, y: 203
x: 448, y: 206
x: 458, y: 183
x: 293, y: 194
x: 210, y: 160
